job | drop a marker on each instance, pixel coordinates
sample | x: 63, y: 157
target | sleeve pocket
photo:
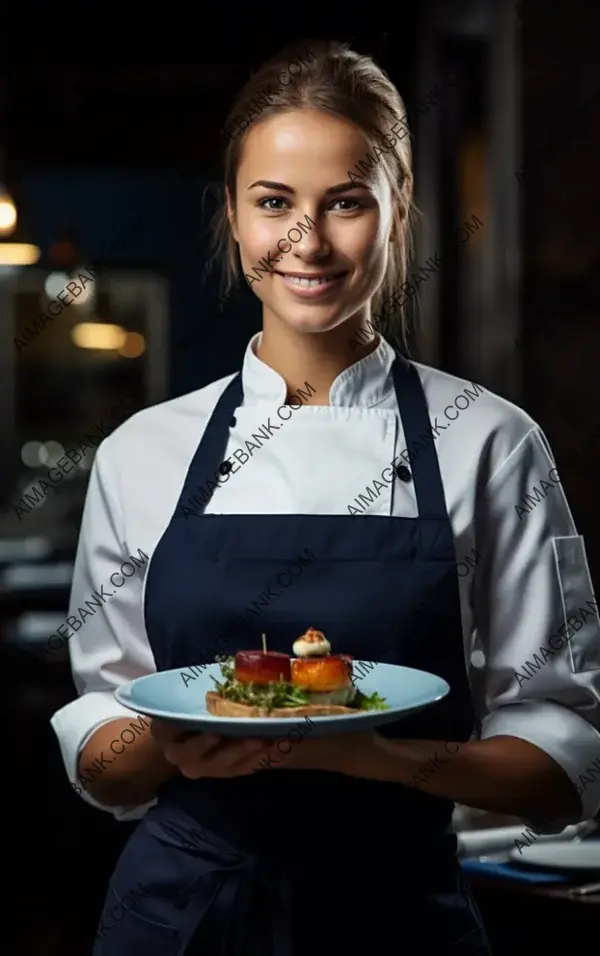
x: 580, y: 610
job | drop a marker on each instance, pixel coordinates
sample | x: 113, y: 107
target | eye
x: 262, y: 203
x: 268, y: 203
x: 351, y: 204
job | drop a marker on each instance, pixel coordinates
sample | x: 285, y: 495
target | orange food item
x: 329, y: 673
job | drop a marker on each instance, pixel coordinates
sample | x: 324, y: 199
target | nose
x: 314, y: 243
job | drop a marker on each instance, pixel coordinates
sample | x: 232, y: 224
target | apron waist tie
x: 236, y: 877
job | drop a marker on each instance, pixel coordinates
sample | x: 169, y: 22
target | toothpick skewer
x: 264, y: 642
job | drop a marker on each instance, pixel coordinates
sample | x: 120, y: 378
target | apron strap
x: 420, y: 441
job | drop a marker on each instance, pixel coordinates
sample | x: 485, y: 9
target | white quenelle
x: 311, y: 644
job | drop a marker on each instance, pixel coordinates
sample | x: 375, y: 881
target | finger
x: 189, y: 748
x: 200, y: 743
x: 198, y: 757
x: 243, y: 752
x: 186, y: 735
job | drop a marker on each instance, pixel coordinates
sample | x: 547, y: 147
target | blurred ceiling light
x: 8, y: 213
x: 99, y: 335
x: 30, y: 453
x: 135, y: 345
x: 18, y: 254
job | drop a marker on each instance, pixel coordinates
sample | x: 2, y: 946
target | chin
x: 311, y: 321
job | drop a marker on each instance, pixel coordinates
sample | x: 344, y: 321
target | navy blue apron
x: 290, y: 862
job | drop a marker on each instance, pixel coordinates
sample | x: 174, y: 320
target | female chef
x: 331, y: 483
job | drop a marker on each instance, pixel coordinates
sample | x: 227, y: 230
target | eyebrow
x: 332, y: 191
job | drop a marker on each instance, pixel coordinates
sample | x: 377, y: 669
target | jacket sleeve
x: 104, y: 628
x: 536, y: 621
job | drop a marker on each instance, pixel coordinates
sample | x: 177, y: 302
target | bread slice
x: 223, y: 707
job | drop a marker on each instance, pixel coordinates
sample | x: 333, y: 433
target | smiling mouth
x: 311, y: 282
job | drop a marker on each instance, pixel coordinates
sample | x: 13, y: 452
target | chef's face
x: 298, y: 214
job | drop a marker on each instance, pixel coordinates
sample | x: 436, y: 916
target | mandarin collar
x: 364, y: 384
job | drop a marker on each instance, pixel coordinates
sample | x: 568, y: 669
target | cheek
x: 363, y: 244
x: 258, y: 236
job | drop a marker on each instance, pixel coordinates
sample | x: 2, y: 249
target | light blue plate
x: 167, y: 694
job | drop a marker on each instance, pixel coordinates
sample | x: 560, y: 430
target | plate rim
x: 123, y: 689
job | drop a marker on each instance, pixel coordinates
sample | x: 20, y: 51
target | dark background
x: 109, y: 114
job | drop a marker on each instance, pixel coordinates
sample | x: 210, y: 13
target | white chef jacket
x: 521, y: 565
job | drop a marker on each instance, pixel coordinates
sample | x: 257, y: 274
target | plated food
x: 313, y: 683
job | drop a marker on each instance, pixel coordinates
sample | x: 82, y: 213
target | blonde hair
x: 333, y: 79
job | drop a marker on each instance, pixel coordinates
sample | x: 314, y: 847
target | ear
x: 231, y: 214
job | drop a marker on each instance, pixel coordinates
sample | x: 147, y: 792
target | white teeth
x: 308, y: 283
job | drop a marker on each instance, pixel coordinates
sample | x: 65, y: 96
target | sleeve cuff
x: 73, y: 725
x: 566, y: 737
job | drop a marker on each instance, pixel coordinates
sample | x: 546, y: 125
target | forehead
x: 302, y: 142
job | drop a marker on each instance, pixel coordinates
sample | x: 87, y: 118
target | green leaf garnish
x: 370, y: 702
x: 275, y: 694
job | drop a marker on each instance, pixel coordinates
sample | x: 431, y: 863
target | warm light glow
x: 8, y: 214
x: 135, y: 345
x: 99, y: 335
x: 86, y: 295
x: 18, y: 254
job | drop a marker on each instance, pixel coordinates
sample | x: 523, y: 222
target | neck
x: 313, y: 358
